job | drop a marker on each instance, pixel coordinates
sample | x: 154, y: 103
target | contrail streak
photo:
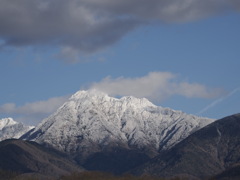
x: 216, y: 102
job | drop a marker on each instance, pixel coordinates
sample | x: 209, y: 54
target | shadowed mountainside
x: 232, y: 173
x: 207, y: 152
x: 26, y: 157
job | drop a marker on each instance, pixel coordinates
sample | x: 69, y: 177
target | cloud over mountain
x: 155, y: 86
x: 33, y: 111
x: 86, y: 26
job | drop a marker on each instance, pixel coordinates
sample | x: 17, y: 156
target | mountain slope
x: 92, y: 122
x: 232, y: 173
x: 30, y: 158
x: 12, y: 129
x: 205, y: 153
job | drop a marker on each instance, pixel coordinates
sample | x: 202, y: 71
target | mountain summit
x: 12, y: 129
x: 91, y: 122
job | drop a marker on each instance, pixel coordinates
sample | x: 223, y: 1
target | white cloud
x: 155, y: 86
x: 7, y: 108
x: 41, y: 107
x: 32, y: 113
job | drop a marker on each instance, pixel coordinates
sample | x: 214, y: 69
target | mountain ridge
x: 129, y: 134
x: 85, y: 106
x: 91, y: 122
x: 31, y: 159
x: 212, y: 150
x: 12, y: 129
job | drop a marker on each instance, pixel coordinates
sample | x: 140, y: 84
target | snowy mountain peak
x: 6, y: 122
x: 88, y: 94
x: 91, y: 120
x: 95, y: 96
x: 142, y: 102
x: 12, y: 129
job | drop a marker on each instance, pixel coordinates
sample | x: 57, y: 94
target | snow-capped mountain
x: 91, y: 121
x: 12, y: 129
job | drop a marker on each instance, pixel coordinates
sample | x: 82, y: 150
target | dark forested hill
x: 26, y: 157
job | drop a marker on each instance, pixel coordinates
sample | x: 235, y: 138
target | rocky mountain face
x: 92, y: 126
x: 33, y: 161
x: 12, y: 129
x: 214, y: 149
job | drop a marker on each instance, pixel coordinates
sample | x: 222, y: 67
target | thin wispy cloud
x: 86, y: 26
x: 156, y: 86
x: 218, y: 101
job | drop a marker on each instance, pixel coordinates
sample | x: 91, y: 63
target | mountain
x: 232, y: 173
x: 97, y: 129
x: 12, y: 129
x: 30, y: 159
x: 214, y: 149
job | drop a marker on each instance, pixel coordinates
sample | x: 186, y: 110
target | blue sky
x: 185, y: 56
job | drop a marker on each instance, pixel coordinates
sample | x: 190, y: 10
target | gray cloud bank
x: 87, y: 26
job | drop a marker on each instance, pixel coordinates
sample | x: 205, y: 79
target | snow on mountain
x: 12, y: 129
x: 91, y: 121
